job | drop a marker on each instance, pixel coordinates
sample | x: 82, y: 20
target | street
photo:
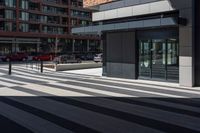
x: 62, y: 102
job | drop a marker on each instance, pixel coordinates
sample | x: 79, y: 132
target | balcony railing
x: 53, y: 22
x: 52, y: 1
x: 34, y: 20
x: 33, y: 30
x: 33, y: 8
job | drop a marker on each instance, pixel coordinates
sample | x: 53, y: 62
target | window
x: 24, y: 4
x: 9, y: 26
x: 10, y: 3
x: 23, y: 27
x: 9, y: 14
x: 24, y: 16
x: 44, y: 19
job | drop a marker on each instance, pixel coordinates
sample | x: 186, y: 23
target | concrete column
x: 186, y: 74
x: 186, y: 57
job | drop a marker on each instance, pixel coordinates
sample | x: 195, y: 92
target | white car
x: 98, y: 58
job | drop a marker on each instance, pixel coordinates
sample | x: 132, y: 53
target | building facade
x: 44, y: 26
x: 89, y: 3
x: 151, y: 39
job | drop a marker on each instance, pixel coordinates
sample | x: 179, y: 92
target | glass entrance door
x: 145, y: 58
x: 172, y: 59
x: 158, y: 59
x: 158, y: 53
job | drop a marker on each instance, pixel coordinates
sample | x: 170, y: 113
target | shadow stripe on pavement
x: 155, y: 106
x: 70, y: 125
x: 147, y: 122
x: 9, y: 126
x: 193, y: 102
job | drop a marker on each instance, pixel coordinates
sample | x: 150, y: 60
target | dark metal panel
x: 197, y: 42
x: 120, y: 47
x: 114, y: 47
x: 128, y: 48
x: 104, y: 49
x: 164, y: 33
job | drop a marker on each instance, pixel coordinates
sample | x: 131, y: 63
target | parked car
x: 87, y: 57
x: 2, y: 57
x: 98, y: 58
x: 16, y: 57
x: 67, y: 59
x: 44, y: 57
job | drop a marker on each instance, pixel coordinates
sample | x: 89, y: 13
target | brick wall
x: 88, y: 3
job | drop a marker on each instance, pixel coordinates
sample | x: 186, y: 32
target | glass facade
x: 24, y: 27
x: 10, y: 3
x: 9, y: 26
x: 5, y: 48
x: 24, y: 16
x: 24, y: 4
x: 159, y: 59
x: 10, y: 14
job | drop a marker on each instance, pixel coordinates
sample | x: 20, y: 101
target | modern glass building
x: 37, y: 25
x: 151, y: 39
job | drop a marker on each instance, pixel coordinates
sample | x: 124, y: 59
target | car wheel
x: 7, y: 59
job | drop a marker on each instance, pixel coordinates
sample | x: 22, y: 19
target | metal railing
x: 38, y: 65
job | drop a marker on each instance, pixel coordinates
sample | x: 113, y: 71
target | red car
x: 16, y: 57
x: 45, y: 57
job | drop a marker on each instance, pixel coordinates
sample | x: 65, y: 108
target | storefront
x: 153, y: 40
x: 158, y: 54
x: 151, y: 54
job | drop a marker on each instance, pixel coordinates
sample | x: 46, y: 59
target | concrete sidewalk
x: 91, y: 72
x: 98, y: 72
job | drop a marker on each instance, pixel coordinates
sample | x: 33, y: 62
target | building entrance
x: 159, y: 59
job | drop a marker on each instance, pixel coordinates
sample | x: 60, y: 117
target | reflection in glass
x: 159, y: 58
x: 144, y: 58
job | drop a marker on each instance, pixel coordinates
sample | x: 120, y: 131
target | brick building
x: 88, y: 3
x: 34, y: 26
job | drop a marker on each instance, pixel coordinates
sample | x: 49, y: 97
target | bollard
x: 41, y: 67
x: 38, y: 66
x: 26, y: 63
x: 32, y: 64
x: 10, y: 68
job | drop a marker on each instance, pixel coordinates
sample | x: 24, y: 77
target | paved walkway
x: 62, y: 102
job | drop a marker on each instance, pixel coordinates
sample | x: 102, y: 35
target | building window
x: 43, y: 19
x: 24, y: 4
x: 74, y: 22
x: 24, y: 27
x: 10, y: 3
x: 9, y: 26
x: 9, y: 14
x: 24, y: 16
